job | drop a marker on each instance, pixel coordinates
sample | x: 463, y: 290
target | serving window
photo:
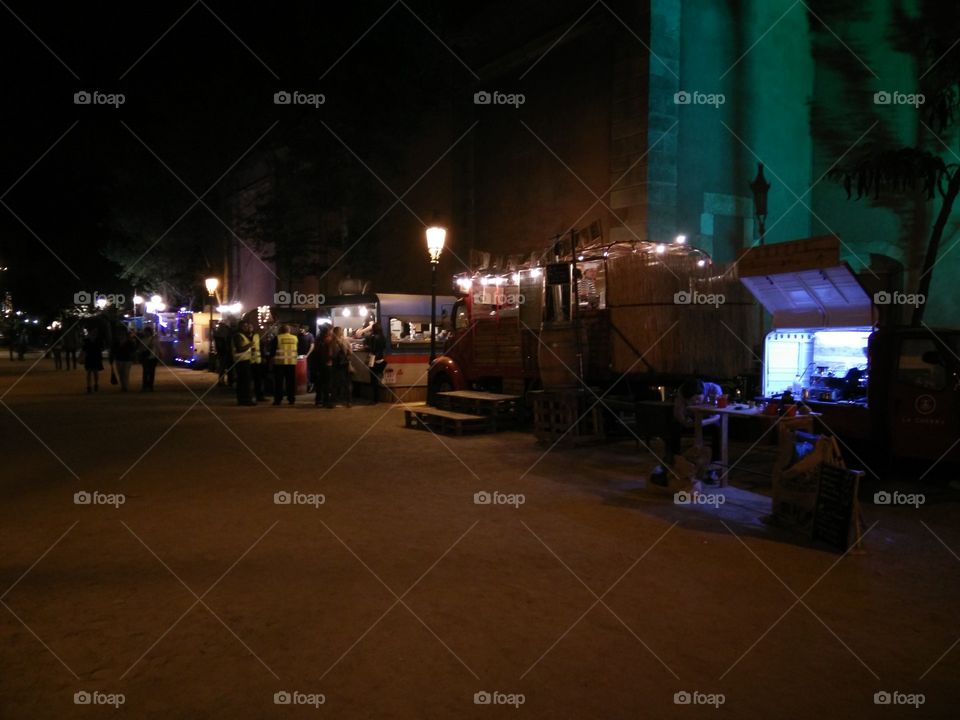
x: 409, y: 330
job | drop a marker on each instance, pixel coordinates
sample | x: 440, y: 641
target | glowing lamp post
x: 760, y: 187
x: 436, y: 236
x: 211, y: 284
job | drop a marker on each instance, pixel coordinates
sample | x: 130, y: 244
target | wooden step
x: 501, y: 409
x: 443, y: 420
x: 478, y: 395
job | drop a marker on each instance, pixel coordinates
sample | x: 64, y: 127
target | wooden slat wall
x: 682, y: 339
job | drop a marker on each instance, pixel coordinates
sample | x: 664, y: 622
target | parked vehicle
x: 624, y: 315
x: 405, y: 320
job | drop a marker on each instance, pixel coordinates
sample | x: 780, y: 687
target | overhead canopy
x: 789, y: 280
x: 827, y: 297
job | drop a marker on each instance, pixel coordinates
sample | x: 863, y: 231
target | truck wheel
x: 442, y: 383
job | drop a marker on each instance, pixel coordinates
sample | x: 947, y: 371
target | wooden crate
x: 567, y: 416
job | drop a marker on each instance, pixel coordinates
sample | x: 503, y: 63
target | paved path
x: 400, y: 597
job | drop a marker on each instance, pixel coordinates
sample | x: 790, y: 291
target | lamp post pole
x: 760, y: 187
x: 436, y: 236
x: 211, y: 284
x: 433, y: 311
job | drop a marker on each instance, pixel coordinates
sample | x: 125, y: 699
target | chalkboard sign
x: 835, y: 509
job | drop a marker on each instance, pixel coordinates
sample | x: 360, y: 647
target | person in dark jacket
x: 376, y: 346
x: 93, y: 359
x: 123, y: 356
x: 148, y: 359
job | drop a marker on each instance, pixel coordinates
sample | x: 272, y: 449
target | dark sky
x: 198, y: 99
x: 198, y: 80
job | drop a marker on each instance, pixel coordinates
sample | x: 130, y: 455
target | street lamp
x: 759, y: 187
x: 436, y: 236
x: 212, y: 284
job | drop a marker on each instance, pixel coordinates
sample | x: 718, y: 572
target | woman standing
x: 92, y: 350
x: 123, y: 358
x: 148, y: 359
x: 376, y: 346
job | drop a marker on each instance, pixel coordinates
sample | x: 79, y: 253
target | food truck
x: 879, y: 387
x: 637, y: 316
x: 192, y: 338
x: 405, y: 320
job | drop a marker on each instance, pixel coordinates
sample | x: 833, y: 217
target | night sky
x: 198, y: 80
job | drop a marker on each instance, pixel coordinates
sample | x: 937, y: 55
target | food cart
x: 894, y: 389
x: 405, y: 320
x: 822, y: 320
x: 192, y: 338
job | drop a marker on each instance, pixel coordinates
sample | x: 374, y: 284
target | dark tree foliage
x: 928, y: 33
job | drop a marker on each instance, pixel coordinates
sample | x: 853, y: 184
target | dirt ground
x: 400, y: 597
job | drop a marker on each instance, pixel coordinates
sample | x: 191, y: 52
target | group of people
x: 246, y: 357
x: 18, y: 340
x: 125, y: 346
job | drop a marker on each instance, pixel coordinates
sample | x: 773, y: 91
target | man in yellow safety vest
x: 285, y: 366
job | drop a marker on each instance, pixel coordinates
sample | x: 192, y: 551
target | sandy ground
x: 399, y: 597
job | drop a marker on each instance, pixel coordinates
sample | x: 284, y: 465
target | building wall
x: 538, y: 169
x: 766, y: 88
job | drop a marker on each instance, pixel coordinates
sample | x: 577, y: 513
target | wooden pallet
x: 566, y: 416
x: 501, y: 409
x: 443, y: 421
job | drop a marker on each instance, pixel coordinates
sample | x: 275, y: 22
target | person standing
x: 285, y: 366
x: 222, y: 339
x: 70, y: 347
x: 342, y: 384
x: 323, y: 354
x: 306, y: 345
x: 148, y: 359
x: 93, y: 359
x: 23, y: 340
x: 242, y: 352
x: 123, y: 358
x: 256, y: 365
x: 376, y: 345
x: 56, y: 349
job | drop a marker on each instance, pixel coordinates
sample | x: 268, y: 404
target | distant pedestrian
x: 323, y: 354
x: 257, y: 365
x: 242, y: 352
x: 148, y: 359
x: 342, y: 382
x: 23, y: 341
x: 123, y: 355
x: 71, y: 342
x: 376, y: 346
x: 222, y: 338
x: 285, y: 366
x: 56, y: 350
x: 306, y: 344
x: 93, y: 359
